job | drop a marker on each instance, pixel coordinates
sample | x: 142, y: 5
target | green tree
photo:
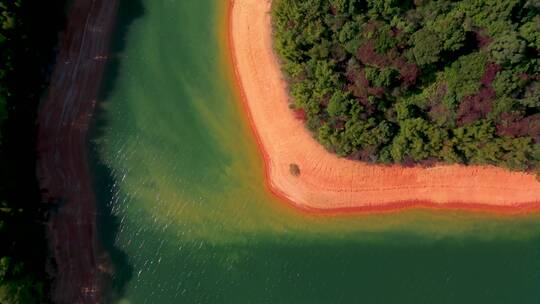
x: 381, y: 77
x: 385, y: 41
x: 338, y: 105
x: 463, y: 77
x: 507, y: 49
x: 451, y: 31
x: 530, y: 31
x: 427, y: 46
x: 384, y: 8
x: 418, y: 140
x: 502, y: 105
x: 531, y: 98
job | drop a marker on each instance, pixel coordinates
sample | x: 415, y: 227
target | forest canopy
x: 416, y: 82
x: 28, y: 36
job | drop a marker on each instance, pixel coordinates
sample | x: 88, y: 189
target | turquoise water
x: 198, y: 226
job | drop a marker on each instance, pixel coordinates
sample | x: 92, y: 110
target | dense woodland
x: 28, y: 35
x: 416, y: 82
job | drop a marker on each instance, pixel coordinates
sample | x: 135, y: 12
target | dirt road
x: 63, y: 119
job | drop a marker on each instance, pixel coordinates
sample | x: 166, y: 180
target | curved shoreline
x: 328, y: 184
x: 82, y: 265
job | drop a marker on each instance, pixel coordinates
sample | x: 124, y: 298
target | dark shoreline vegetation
x: 28, y: 36
x: 416, y: 82
x: 102, y: 176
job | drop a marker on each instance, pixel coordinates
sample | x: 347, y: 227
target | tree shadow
x: 107, y: 222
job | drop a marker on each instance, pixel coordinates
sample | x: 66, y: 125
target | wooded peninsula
x: 416, y: 82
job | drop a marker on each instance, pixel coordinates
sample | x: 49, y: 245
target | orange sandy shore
x: 328, y: 183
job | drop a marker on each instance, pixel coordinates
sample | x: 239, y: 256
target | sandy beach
x: 301, y: 171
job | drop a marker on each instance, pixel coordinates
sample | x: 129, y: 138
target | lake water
x: 197, y: 224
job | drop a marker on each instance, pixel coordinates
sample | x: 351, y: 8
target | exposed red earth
x: 63, y: 168
x: 300, y: 171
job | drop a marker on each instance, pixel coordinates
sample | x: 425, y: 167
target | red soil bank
x: 63, y: 169
x: 301, y: 171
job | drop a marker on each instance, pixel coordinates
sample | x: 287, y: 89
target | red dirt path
x: 63, y: 170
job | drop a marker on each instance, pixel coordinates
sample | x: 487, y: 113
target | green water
x: 198, y: 225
